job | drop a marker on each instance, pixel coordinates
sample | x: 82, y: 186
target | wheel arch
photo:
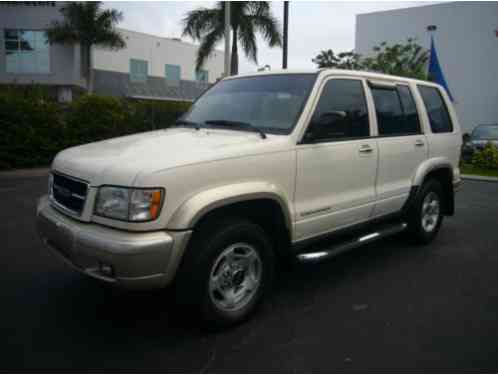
x: 440, y: 169
x: 189, y: 214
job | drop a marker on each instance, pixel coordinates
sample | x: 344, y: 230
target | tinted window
x: 439, y: 117
x: 271, y: 102
x: 411, y: 122
x: 138, y: 70
x: 341, y: 111
x: 390, y: 119
x: 27, y: 51
x: 202, y: 75
x: 485, y: 132
x: 173, y: 74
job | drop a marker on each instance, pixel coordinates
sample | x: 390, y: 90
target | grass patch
x: 471, y: 169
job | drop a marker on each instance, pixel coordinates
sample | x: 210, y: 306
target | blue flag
x: 435, y: 71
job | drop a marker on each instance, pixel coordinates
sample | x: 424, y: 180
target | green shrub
x: 30, y: 130
x: 33, y: 128
x: 92, y: 118
x: 487, y: 158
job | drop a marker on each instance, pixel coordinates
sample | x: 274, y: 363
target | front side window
x: 271, y: 102
x: 341, y: 112
x: 138, y: 70
x: 437, y: 111
x: 26, y: 51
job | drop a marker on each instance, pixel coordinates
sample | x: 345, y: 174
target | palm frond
x: 201, y: 21
x: 87, y: 23
x: 269, y: 27
x: 247, y: 39
x: 207, y: 46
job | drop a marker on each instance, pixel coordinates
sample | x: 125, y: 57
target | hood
x: 120, y: 160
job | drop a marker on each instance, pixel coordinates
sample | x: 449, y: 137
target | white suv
x: 262, y: 168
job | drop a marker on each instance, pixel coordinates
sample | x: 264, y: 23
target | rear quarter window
x: 439, y: 117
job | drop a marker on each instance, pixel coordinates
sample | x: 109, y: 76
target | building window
x: 26, y: 51
x: 202, y: 75
x: 139, y: 70
x: 173, y: 74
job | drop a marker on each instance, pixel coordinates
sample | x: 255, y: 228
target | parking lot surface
x: 389, y: 306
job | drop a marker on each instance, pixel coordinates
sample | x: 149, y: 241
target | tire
x: 226, y: 258
x: 425, y: 217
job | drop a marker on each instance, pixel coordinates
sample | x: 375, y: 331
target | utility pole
x: 227, y: 38
x: 286, y: 34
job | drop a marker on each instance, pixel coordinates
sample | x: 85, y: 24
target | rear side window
x: 411, y: 121
x: 396, y: 111
x: 437, y: 111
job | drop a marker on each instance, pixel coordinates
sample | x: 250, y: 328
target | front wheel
x: 425, y: 217
x: 227, y: 271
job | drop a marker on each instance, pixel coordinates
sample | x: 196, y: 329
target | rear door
x: 336, y: 161
x: 401, y: 143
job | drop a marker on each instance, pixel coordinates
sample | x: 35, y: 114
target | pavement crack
x: 209, y: 361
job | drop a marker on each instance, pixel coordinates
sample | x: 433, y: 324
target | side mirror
x: 319, y: 125
x: 329, y: 118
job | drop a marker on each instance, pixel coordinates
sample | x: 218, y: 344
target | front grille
x: 68, y: 192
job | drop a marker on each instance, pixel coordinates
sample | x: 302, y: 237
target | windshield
x: 485, y: 132
x: 271, y: 103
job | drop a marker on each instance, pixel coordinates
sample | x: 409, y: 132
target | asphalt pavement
x: 389, y: 306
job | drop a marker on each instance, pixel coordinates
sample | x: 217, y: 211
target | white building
x: 149, y: 67
x: 152, y: 66
x: 466, y: 40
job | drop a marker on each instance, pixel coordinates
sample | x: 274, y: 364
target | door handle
x: 419, y: 143
x: 365, y: 149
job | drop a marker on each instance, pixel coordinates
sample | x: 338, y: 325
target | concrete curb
x: 479, y: 178
x: 20, y: 173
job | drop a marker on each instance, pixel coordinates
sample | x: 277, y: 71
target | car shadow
x: 99, y: 326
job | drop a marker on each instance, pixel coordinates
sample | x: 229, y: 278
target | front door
x: 336, y: 162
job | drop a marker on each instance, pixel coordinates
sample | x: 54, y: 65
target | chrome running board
x: 341, y: 247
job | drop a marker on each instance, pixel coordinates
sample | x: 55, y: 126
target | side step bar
x: 341, y: 247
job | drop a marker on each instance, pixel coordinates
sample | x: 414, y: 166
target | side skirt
x: 318, y: 253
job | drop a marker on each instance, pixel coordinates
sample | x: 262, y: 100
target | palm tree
x: 247, y: 18
x: 89, y: 25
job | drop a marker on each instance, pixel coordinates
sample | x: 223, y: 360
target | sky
x: 313, y: 26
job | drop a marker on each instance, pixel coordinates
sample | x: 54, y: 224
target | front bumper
x: 135, y: 260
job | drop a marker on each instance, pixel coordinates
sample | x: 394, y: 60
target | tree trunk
x: 90, y: 70
x: 234, y: 68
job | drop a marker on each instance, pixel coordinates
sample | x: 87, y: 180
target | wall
x: 157, y: 51
x: 466, y: 44
x: 64, y: 68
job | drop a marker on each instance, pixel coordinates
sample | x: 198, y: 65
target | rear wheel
x: 425, y: 217
x: 227, y: 271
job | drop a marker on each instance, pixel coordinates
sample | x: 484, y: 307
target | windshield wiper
x: 237, y: 124
x: 196, y: 125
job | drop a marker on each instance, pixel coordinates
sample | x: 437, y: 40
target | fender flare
x: 192, y: 210
x: 428, y: 166
x: 418, y: 179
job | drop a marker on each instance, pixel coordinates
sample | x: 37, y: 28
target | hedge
x: 487, y: 158
x: 34, y: 128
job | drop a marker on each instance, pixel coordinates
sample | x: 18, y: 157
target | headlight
x: 129, y: 204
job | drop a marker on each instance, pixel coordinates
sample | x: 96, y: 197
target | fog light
x: 106, y: 270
